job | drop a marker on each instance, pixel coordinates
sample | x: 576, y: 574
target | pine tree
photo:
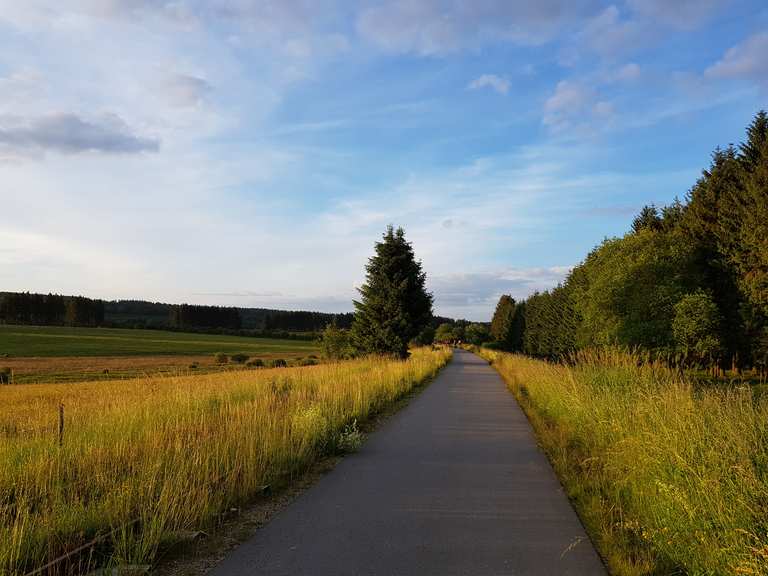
x: 394, y: 306
x: 648, y: 219
x: 502, y: 319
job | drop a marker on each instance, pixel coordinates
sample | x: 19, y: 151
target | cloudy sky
x: 249, y: 152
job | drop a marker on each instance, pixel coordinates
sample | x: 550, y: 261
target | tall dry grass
x: 669, y: 479
x: 171, y: 453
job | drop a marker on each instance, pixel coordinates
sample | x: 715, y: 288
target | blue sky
x: 249, y: 153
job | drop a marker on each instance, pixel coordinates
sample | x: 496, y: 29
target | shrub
x: 255, y: 363
x: 221, y: 358
x: 6, y: 375
x: 306, y: 362
x: 335, y: 343
x: 350, y: 439
x: 278, y: 363
x: 239, y: 358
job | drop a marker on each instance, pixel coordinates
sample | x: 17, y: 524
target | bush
x: 306, y: 362
x: 278, y: 363
x: 255, y: 363
x: 350, y: 439
x: 6, y: 375
x: 335, y: 343
x: 239, y: 358
x: 221, y: 358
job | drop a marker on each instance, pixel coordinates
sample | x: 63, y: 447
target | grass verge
x: 668, y: 478
x: 150, y: 460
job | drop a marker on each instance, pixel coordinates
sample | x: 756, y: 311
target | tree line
x: 689, y: 281
x: 44, y: 309
x: 55, y: 309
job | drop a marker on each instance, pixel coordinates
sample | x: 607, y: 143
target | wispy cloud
x: 439, y: 27
x: 747, y: 60
x: 576, y: 106
x: 497, y: 83
x: 304, y: 127
x: 683, y: 14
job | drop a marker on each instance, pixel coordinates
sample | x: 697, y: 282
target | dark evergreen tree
x: 394, y: 306
x: 517, y: 328
x: 502, y: 319
x: 648, y: 219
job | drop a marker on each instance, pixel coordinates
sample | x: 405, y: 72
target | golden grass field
x: 63, y: 369
x: 171, y: 453
x: 669, y: 478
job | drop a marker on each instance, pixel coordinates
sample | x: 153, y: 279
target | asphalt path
x: 453, y: 484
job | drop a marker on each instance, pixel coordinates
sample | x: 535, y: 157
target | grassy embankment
x: 172, y: 452
x: 669, y: 478
x: 61, y: 354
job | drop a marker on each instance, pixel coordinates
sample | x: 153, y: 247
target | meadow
x: 668, y: 477
x: 67, y: 354
x: 144, y: 461
x: 69, y: 341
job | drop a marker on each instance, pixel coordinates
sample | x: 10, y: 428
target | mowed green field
x: 25, y: 341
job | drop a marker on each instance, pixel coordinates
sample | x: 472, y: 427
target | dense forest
x: 689, y: 282
x: 54, y: 309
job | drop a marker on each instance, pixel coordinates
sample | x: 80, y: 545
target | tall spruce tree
x: 502, y: 319
x: 394, y: 306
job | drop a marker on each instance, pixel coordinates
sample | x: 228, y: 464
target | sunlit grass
x: 668, y: 478
x: 171, y: 452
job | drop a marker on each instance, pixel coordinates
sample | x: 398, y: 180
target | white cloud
x: 437, y: 27
x: 610, y: 36
x: 569, y: 99
x: 618, y: 30
x: 575, y: 107
x: 497, y: 83
x: 747, y: 60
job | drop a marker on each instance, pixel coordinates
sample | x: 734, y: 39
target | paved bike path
x: 453, y: 484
